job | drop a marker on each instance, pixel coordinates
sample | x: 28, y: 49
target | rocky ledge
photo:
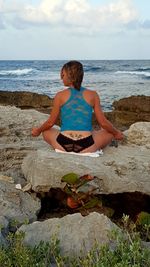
x: 26, y: 100
x: 27, y: 160
x: 118, y: 170
x: 129, y: 110
x: 125, y: 112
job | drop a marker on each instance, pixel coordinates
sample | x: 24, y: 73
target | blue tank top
x: 76, y: 113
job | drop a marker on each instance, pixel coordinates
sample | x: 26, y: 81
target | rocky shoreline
x: 38, y: 169
x: 125, y: 112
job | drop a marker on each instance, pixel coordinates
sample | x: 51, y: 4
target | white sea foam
x: 143, y: 73
x: 17, y: 72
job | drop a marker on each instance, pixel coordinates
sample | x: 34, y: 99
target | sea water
x: 112, y: 79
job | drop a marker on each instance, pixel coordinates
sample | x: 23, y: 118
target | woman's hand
x: 35, y: 132
x: 119, y: 135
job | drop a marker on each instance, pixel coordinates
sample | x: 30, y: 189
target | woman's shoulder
x: 62, y: 92
x: 89, y: 92
x: 89, y: 96
x: 63, y: 96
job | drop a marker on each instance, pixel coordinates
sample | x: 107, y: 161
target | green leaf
x: 70, y: 178
x: 143, y: 218
x: 92, y: 203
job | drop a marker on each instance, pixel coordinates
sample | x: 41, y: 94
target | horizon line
x: 73, y: 59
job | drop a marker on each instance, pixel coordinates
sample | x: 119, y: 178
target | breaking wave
x: 17, y: 72
x: 142, y: 73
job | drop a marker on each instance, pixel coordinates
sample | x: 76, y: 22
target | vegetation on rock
x: 80, y: 192
x: 127, y: 251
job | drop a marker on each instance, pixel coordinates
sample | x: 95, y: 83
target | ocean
x: 112, y: 79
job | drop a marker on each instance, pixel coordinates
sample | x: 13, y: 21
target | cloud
x: 46, y: 12
x: 80, y: 12
x: 146, y: 24
x: 76, y: 15
x: 9, y: 11
x: 2, y: 26
x: 1, y: 4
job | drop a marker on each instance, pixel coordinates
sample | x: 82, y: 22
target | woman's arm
x: 36, y: 131
x: 102, y: 120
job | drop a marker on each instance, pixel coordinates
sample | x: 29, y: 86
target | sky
x: 74, y: 29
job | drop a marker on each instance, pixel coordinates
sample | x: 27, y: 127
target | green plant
x: 143, y: 225
x: 79, y: 191
x: 126, y: 250
x: 17, y: 254
x: 143, y: 218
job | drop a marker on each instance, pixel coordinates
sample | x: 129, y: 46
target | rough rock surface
x: 16, y: 124
x: 17, y: 205
x: 77, y: 234
x: 15, y: 137
x: 126, y: 111
x: 130, y: 110
x: 122, y: 169
x: 26, y: 100
x: 136, y: 104
x: 139, y: 134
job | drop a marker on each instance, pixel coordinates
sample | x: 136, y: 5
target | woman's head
x: 72, y: 74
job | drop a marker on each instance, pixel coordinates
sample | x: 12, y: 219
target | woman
x: 76, y: 104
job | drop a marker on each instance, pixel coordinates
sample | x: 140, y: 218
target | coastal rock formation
x: 77, y: 234
x: 139, y: 134
x: 15, y: 137
x: 130, y: 110
x: 125, y: 112
x: 136, y: 104
x: 122, y: 169
x: 17, y: 205
x: 26, y: 100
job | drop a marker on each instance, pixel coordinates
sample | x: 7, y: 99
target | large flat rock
x: 77, y: 234
x: 122, y: 169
